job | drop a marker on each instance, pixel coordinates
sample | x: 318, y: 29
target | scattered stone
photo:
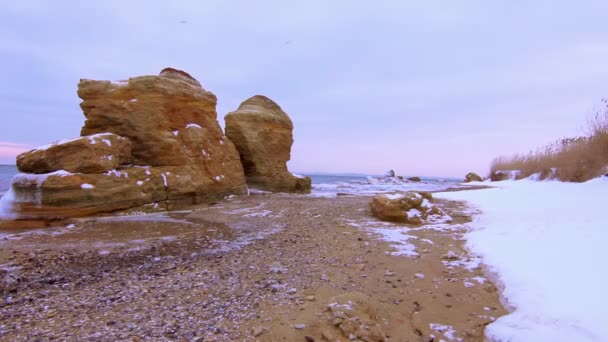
x: 310, y: 298
x: 299, y: 326
x: 257, y: 331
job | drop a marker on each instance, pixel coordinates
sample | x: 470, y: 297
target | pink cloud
x: 11, y: 150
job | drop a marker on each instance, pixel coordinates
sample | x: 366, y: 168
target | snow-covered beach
x: 544, y: 242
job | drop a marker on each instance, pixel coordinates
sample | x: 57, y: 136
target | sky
x: 433, y: 88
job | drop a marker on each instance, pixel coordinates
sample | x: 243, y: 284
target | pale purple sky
x: 434, y: 88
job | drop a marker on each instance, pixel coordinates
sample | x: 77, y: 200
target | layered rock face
x: 151, y: 139
x: 263, y: 134
x: 407, y: 207
x: 90, y: 154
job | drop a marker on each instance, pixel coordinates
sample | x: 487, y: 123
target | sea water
x: 6, y: 174
x: 329, y: 185
x: 325, y: 185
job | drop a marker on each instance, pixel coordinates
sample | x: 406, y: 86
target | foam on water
x: 331, y: 185
x: 6, y: 205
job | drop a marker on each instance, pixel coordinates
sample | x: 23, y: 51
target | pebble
x: 310, y: 298
x: 257, y: 331
x: 299, y: 326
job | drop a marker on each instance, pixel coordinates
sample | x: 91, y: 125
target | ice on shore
x: 543, y: 240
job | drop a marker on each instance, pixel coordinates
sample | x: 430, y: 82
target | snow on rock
x: 544, y: 242
x: 446, y: 330
x: 193, y: 125
x: 117, y: 173
x: 87, y: 186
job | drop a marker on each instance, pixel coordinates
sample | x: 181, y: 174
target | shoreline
x: 294, y: 256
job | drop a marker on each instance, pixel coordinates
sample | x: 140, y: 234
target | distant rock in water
x: 390, y: 173
x: 263, y: 135
x: 148, y: 140
x: 472, y: 177
x: 414, y: 179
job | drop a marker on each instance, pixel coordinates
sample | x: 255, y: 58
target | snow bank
x: 544, y: 241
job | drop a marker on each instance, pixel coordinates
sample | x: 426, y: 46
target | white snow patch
x: 133, y: 100
x: 543, y: 240
x: 219, y: 178
x: 140, y: 183
x: 396, y: 235
x: 165, y: 183
x: 87, y: 186
x: 412, y: 213
x: 393, y: 196
x: 117, y: 173
x: 193, y: 125
x: 262, y: 213
x: 446, y: 330
x: 175, y: 133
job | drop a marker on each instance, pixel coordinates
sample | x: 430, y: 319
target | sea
x: 326, y: 185
x: 6, y: 174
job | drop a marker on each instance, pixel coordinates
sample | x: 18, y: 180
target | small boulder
x: 95, y: 153
x: 472, y: 177
x: 407, y: 207
x: 414, y: 179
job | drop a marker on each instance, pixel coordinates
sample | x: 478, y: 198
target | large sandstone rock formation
x: 151, y: 139
x: 407, y: 207
x: 263, y: 135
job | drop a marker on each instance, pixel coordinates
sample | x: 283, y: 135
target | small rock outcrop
x: 472, y: 177
x: 414, y: 179
x: 501, y: 175
x: 263, y: 134
x: 407, y: 207
x: 89, y: 154
x: 148, y: 140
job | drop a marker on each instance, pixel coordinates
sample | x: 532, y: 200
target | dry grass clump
x: 569, y: 159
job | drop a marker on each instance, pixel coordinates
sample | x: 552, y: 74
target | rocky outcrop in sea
x: 263, y: 135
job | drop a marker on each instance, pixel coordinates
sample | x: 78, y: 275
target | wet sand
x: 265, y: 267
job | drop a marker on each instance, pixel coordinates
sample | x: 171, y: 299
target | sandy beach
x: 251, y: 268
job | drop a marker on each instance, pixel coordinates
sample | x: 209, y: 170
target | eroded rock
x: 88, y: 154
x: 406, y: 207
x: 263, y: 134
